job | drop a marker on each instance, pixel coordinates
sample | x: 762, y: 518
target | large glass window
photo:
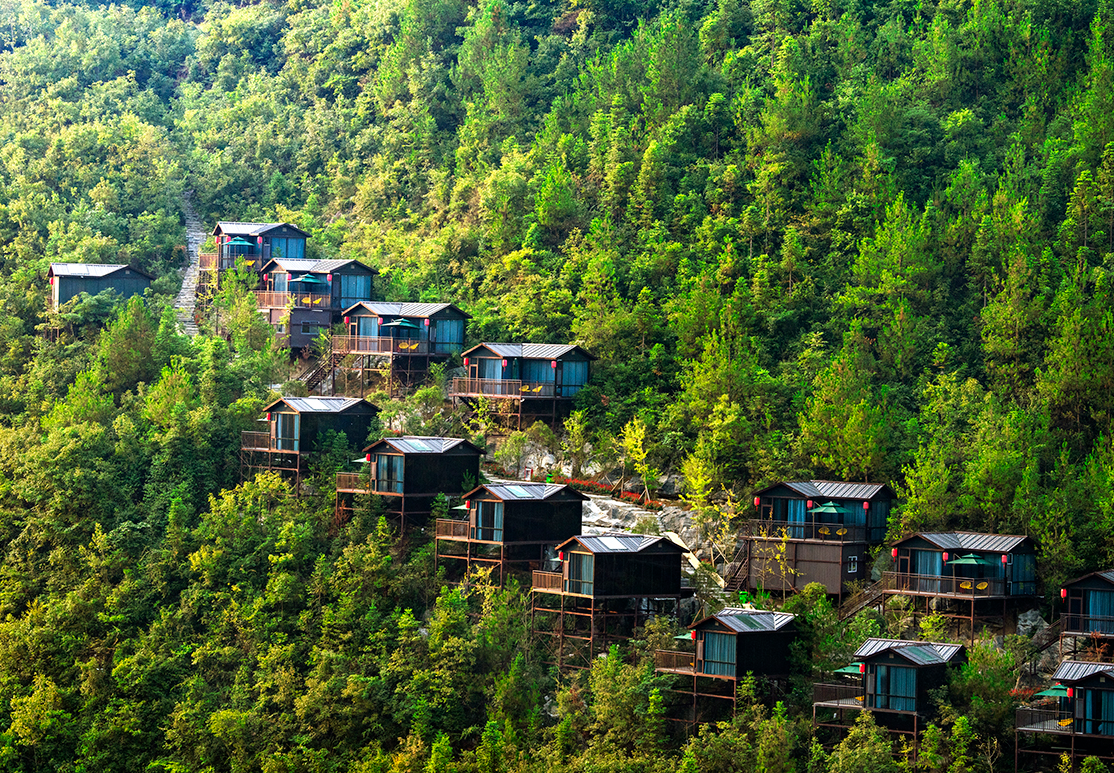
x: 491, y: 368
x: 895, y: 688
x: 1100, y: 611
x: 291, y: 248
x: 367, y: 326
x: 388, y: 473
x: 1024, y: 575
x: 719, y: 653
x: 279, y: 281
x: 538, y: 371
x: 447, y: 335
x: 488, y: 520
x: 286, y: 431
x: 581, y: 573
x: 797, y: 511
x: 353, y: 289
x: 574, y: 375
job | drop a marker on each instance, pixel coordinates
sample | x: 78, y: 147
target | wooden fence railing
x: 379, y: 345
x: 272, y: 300
x: 546, y: 581
x: 450, y: 527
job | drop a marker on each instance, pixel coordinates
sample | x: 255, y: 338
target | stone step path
x: 186, y: 302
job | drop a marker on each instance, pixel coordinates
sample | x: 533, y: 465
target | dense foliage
x: 825, y: 237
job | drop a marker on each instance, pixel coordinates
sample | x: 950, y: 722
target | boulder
x: 1030, y: 623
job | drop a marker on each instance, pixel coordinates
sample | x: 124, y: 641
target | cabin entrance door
x: 903, y: 570
x: 1075, y: 612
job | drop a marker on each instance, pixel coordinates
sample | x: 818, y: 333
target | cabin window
x: 289, y: 248
x: 1100, y: 612
x: 491, y: 368
x: 279, y: 282
x: 853, y: 565
x: 796, y: 511
x: 286, y: 431
x: 895, y: 688
x: 388, y: 473
x: 312, y: 328
x: 581, y: 571
x: 447, y: 335
x: 354, y: 288
x: 538, y: 371
x: 1098, y: 712
x: 280, y: 328
x: 574, y: 375
x: 719, y: 654
x: 1024, y: 575
x: 489, y: 522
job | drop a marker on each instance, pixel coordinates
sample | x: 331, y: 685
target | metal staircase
x: 314, y: 377
x: 866, y: 597
x: 736, y: 573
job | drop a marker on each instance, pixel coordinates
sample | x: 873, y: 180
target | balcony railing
x: 492, y: 387
x: 272, y: 300
x: 379, y: 345
x: 826, y: 532
x: 1086, y: 624
x: 451, y: 528
x: 850, y: 696
x: 675, y: 661
x: 937, y: 585
x: 547, y: 581
x: 207, y: 261
x: 264, y: 441
x: 359, y: 483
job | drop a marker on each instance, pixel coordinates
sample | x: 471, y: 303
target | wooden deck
x: 264, y: 441
x: 838, y: 696
x: 271, y: 300
x: 757, y: 528
x: 951, y: 587
x: 675, y: 662
x: 506, y: 388
x: 379, y: 345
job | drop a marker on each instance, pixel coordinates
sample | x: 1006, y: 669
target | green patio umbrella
x: 1055, y: 691
x: 238, y: 242
x: 828, y: 508
x: 971, y: 560
x: 851, y: 669
x: 309, y: 279
x: 400, y: 323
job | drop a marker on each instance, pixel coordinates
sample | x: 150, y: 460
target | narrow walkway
x: 186, y: 301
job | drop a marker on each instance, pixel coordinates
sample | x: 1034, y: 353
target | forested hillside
x: 838, y: 239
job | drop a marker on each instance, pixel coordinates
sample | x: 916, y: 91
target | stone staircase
x: 186, y: 302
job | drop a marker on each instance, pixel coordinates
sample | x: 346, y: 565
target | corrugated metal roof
x: 311, y: 266
x: 752, y: 620
x: 1075, y: 670
x: 965, y: 540
x: 396, y: 309
x: 1107, y: 575
x: 619, y: 542
x: 95, y: 270
x: 236, y: 228
x: 530, y: 351
x: 524, y: 490
x: 833, y: 489
x: 417, y: 444
x: 319, y: 404
x: 923, y: 653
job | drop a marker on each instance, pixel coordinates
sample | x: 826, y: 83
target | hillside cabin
x: 250, y: 245
x: 827, y: 529
x: 725, y: 648
x: 895, y: 682
x: 956, y: 571
x: 534, y: 382
x: 303, y: 297
x: 600, y: 588
x: 1088, y: 611
x: 68, y: 280
x: 398, y: 341
x: 295, y: 428
x: 509, y: 524
x: 1075, y: 716
x: 409, y: 472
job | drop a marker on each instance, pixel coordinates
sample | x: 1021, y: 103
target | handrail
x: 352, y: 481
x: 1086, y: 623
x: 493, y: 387
x: 831, y: 693
x: 379, y: 345
x: 675, y: 660
x: 976, y: 587
x: 264, y: 441
x: 762, y: 528
x: 267, y: 299
x: 546, y: 581
x: 451, y: 527
x: 207, y: 261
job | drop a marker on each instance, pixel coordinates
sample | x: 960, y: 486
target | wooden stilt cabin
x: 1074, y: 717
x: 68, y: 280
x: 600, y: 589
x: 530, y: 382
x: 250, y: 244
x: 896, y: 680
x: 1088, y: 611
x: 725, y: 648
x: 293, y: 430
x: 303, y: 297
x: 409, y: 472
x: 827, y: 529
x: 395, y: 341
x: 510, y: 524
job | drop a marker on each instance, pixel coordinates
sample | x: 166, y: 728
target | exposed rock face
x: 1030, y: 623
x: 603, y: 514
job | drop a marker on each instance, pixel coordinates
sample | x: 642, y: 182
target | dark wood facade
x: 249, y: 245
x: 525, y: 382
x: 1088, y: 611
x: 600, y: 588
x: 393, y: 344
x: 726, y: 647
x: 294, y: 428
x: 409, y: 472
x: 1078, y: 721
x: 303, y: 297
x: 896, y: 681
x: 826, y: 527
x: 510, y: 524
x: 68, y: 280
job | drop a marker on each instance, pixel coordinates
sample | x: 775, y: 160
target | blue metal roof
x: 92, y: 270
x: 922, y: 653
x: 832, y: 489
x: 530, y: 351
x: 750, y: 620
x: 396, y: 309
x: 620, y: 542
x: 318, y: 404
x: 416, y: 444
x: 964, y: 540
x: 1076, y: 671
x: 235, y: 228
x: 515, y: 490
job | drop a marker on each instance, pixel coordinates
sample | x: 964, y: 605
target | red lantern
x: 809, y: 504
x: 380, y: 320
x: 466, y: 362
x: 504, y: 363
x: 945, y: 558
x: 553, y: 364
x: 52, y: 280
x: 1063, y: 593
x: 1071, y: 692
x: 866, y: 505
x: 268, y: 415
x: 367, y: 458
x: 329, y: 277
x: 427, y: 322
x: 862, y: 668
x: 1003, y: 558
x: 259, y: 240
x: 894, y: 552
x: 561, y: 555
x: 693, y: 635
x: 347, y: 320
x: 757, y: 502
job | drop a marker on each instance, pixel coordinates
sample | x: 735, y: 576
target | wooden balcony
x: 820, y: 532
x: 360, y: 483
x: 838, y: 696
x: 207, y: 261
x: 270, y: 300
x: 675, y: 661
x: 450, y: 528
x: 491, y: 387
x: 264, y: 441
x: 938, y: 585
x: 1050, y: 720
x: 378, y: 345
x: 547, y: 582
x: 1085, y: 625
